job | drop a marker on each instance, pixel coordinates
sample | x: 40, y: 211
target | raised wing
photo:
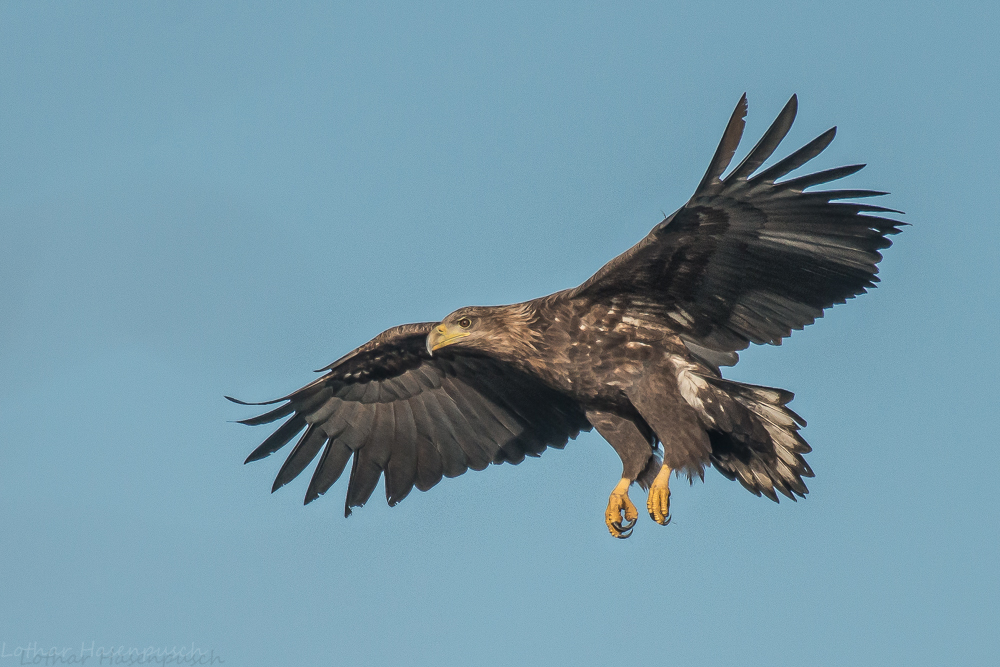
x: 747, y: 260
x: 393, y: 407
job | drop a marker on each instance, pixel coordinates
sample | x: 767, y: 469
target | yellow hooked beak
x: 442, y: 336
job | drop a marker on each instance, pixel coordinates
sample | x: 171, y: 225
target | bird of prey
x: 634, y: 352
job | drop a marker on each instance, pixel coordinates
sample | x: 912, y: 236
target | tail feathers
x: 755, y: 439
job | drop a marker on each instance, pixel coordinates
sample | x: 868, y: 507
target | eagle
x: 634, y: 352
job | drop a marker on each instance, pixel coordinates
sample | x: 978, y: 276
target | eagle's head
x: 499, y: 331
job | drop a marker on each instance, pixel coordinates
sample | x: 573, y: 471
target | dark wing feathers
x: 727, y: 147
x: 440, y: 430
x: 796, y: 159
x: 768, y: 143
x: 278, y: 439
x: 747, y: 260
x: 429, y: 467
x: 330, y: 468
x: 302, y: 454
x: 397, y: 410
x: 401, y: 472
x: 802, y: 182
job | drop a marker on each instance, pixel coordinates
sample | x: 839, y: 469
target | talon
x: 658, y: 501
x: 623, y: 532
x: 621, y: 515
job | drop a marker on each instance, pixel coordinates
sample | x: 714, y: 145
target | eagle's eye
x: 465, y: 323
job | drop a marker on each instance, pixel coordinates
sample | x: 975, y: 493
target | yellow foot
x: 619, y: 505
x: 658, y: 501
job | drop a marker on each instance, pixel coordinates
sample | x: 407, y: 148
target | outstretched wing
x: 393, y: 407
x: 747, y: 259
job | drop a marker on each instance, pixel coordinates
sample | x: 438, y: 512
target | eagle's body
x: 633, y: 352
x: 589, y: 351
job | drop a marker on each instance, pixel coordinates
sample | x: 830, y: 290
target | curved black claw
x: 624, y: 528
x: 624, y: 531
x: 669, y: 517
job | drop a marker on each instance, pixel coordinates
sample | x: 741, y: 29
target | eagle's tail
x: 759, y: 445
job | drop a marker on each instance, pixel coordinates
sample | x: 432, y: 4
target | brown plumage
x: 634, y: 351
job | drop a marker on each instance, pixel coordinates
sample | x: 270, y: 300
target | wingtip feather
x: 798, y: 158
x: 727, y: 146
x: 251, y: 403
x: 768, y: 143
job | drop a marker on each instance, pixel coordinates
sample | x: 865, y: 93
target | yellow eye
x: 465, y: 323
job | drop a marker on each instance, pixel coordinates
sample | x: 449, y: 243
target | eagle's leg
x: 686, y: 446
x: 620, y: 506
x: 658, y: 501
x: 633, y: 442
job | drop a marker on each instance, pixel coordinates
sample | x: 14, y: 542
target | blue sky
x: 199, y: 199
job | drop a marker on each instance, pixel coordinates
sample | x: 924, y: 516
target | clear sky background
x: 199, y: 199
